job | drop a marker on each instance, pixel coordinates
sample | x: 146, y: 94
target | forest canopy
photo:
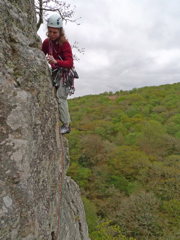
x: 125, y: 156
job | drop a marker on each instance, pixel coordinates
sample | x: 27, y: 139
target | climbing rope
x: 61, y: 185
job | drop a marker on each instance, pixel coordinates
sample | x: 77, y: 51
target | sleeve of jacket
x: 67, y: 61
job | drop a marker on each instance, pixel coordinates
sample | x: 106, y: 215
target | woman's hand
x: 51, y: 59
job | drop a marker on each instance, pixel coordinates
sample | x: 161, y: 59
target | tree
x: 106, y: 231
x: 138, y: 216
x: 61, y: 7
x: 91, y: 215
x: 152, y: 138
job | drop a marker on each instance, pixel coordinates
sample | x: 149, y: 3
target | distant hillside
x: 125, y: 155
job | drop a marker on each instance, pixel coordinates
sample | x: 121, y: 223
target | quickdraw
x: 67, y: 76
x: 68, y: 81
x: 56, y: 74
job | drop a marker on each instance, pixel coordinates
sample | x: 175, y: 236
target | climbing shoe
x: 64, y: 129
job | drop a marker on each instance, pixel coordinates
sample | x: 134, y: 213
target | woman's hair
x: 62, y: 37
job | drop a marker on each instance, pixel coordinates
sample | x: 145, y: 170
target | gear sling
x: 66, y: 74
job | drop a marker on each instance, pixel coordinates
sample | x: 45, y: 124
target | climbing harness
x: 67, y: 75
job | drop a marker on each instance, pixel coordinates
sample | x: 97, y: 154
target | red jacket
x: 56, y: 50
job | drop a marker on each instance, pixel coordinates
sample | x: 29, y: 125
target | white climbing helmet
x: 55, y: 21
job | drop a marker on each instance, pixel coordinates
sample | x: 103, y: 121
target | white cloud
x: 128, y: 44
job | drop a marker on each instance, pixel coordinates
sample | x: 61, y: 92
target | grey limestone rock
x: 32, y: 152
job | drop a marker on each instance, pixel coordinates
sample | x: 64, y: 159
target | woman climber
x: 59, y: 55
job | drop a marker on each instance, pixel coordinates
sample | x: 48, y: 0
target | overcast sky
x: 128, y: 44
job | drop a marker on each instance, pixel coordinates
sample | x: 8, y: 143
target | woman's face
x: 53, y: 33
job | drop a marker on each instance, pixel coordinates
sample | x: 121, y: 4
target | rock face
x: 37, y: 200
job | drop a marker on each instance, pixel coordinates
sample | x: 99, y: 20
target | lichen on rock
x: 31, y: 148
